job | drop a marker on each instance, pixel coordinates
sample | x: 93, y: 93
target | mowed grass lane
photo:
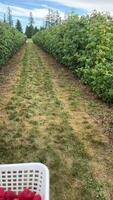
x: 36, y: 128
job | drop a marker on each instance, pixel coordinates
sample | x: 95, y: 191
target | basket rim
x: 24, y: 164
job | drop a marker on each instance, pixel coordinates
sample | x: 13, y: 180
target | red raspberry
x: 26, y: 195
x: 10, y: 195
x: 37, y: 197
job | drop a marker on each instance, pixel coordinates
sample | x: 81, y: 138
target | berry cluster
x: 26, y: 194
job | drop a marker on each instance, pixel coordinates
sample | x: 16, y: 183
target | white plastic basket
x: 34, y: 176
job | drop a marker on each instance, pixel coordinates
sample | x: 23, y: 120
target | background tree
x: 19, y: 26
x: 9, y: 16
x: 52, y: 18
x: 57, y: 17
x: 35, y: 30
x: 4, y: 19
x: 30, y: 28
x: 31, y: 19
x: 42, y: 28
x: 29, y: 31
x: 48, y: 19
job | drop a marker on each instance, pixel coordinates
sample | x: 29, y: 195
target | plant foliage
x: 10, y: 41
x: 85, y: 45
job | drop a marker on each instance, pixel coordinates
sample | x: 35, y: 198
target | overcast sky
x: 39, y: 8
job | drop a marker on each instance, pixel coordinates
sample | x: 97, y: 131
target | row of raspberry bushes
x: 10, y: 41
x: 85, y: 45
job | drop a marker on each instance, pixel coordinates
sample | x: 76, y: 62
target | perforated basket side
x: 34, y: 176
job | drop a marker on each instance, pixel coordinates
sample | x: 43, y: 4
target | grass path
x: 45, y: 117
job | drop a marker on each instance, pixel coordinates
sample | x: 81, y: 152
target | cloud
x: 100, y: 5
x: 39, y: 8
x: 39, y: 13
x: 88, y: 5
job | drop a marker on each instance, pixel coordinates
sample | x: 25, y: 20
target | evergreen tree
x: 42, y: 28
x: 48, y: 19
x: 4, y: 20
x: 29, y: 28
x: 29, y: 31
x: 9, y: 16
x: 31, y: 19
x: 35, y: 30
x: 19, y: 26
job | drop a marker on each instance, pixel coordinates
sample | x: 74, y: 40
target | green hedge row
x: 10, y: 41
x: 85, y: 45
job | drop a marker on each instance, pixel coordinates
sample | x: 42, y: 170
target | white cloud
x: 24, y: 12
x: 89, y: 5
x: 18, y: 11
x: 100, y: 5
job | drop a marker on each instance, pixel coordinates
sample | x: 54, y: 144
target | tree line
x: 9, y: 20
x: 30, y: 30
x: 51, y: 19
